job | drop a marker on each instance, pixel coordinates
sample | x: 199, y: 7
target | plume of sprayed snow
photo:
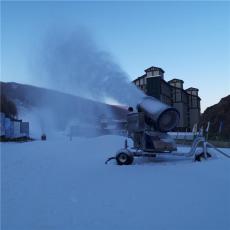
x: 40, y: 119
x: 72, y: 62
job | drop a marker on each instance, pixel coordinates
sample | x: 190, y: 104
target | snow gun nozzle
x: 158, y: 114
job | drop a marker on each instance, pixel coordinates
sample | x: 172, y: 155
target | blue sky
x: 189, y: 40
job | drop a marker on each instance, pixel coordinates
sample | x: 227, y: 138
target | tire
x: 124, y: 158
x: 130, y: 161
x: 201, y: 156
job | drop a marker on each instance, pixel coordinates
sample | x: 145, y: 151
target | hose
x: 109, y: 159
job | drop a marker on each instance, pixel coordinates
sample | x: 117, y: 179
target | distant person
x: 43, y: 137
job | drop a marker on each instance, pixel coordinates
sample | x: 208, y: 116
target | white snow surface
x: 65, y: 185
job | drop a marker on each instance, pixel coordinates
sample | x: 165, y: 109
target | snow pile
x: 62, y: 184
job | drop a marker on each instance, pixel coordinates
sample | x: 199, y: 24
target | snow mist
x: 73, y: 63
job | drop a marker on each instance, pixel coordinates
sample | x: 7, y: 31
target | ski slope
x: 60, y: 184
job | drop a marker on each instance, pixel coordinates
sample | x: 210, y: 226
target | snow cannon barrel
x: 163, y: 117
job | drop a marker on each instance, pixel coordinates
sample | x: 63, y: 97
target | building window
x: 156, y: 72
x: 149, y: 74
x: 178, y: 95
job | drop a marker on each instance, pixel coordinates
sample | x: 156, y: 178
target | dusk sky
x: 189, y: 40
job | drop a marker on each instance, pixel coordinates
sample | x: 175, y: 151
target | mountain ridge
x: 64, y: 107
x: 219, y: 117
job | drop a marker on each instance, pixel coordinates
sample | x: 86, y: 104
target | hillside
x: 8, y: 107
x: 60, y: 107
x: 216, y: 114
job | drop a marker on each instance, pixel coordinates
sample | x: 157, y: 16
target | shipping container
x: 24, y: 129
x: 16, y: 129
x: 9, y: 128
x: 2, y: 124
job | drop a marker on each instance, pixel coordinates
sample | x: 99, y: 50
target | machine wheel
x: 201, y: 156
x: 124, y: 158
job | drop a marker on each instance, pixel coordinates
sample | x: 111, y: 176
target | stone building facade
x: 187, y: 101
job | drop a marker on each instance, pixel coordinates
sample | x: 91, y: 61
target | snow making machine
x: 147, y: 126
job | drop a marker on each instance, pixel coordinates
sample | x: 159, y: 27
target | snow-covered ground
x: 65, y: 185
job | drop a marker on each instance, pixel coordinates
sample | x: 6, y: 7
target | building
x: 194, y: 106
x: 25, y: 129
x: 2, y: 124
x: 153, y: 84
x: 187, y: 102
x: 180, y: 102
x: 13, y: 128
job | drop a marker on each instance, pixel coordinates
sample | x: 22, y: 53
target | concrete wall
x: 183, y: 109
